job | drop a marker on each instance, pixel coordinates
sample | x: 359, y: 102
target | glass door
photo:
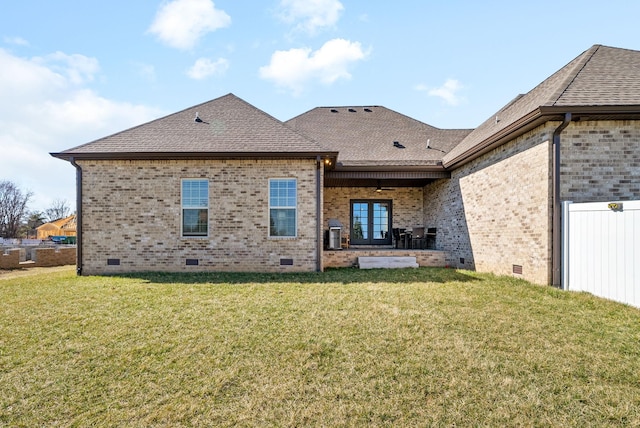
x: 371, y: 222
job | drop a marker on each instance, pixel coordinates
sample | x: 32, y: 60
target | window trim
x: 278, y: 207
x: 371, y: 241
x: 182, y: 208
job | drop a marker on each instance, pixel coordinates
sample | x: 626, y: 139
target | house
x: 62, y: 227
x: 223, y: 186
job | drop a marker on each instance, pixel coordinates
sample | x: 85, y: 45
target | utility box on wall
x: 335, y: 234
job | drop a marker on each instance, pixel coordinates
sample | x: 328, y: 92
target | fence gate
x: 601, y: 249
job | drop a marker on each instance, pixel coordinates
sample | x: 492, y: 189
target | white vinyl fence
x: 601, y: 249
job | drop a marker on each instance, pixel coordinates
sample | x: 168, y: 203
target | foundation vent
x: 113, y: 262
x: 517, y: 269
x: 192, y: 262
x: 286, y: 262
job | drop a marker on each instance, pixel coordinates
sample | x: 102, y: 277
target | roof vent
x: 352, y: 110
x: 398, y: 145
x: 368, y: 110
x: 334, y: 110
x: 197, y: 118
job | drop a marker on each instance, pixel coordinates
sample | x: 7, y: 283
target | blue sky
x: 73, y: 71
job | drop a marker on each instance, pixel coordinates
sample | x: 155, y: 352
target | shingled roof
x: 603, y: 82
x: 376, y: 136
x: 224, y: 127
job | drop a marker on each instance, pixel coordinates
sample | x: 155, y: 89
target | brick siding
x: 132, y: 213
x: 495, y: 212
x: 600, y: 161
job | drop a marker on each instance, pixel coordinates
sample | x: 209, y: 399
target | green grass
x: 415, y: 347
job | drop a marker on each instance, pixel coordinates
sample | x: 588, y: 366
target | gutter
x: 556, y: 239
x: 78, y: 216
x: 68, y: 155
x: 319, y: 237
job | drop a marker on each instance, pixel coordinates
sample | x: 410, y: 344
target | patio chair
x: 396, y: 237
x: 417, y: 238
x: 430, y: 238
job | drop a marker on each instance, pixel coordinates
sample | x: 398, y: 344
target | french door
x: 370, y: 222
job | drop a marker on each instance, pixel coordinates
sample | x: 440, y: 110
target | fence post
x: 564, y: 266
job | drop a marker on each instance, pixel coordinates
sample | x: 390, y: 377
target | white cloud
x: 146, y: 71
x: 15, y: 41
x: 77, y: 68
x: 448, y: 91
x: 294, y: 68
x: 181, y: 23
x: 311, y: 15
x: 205, y: 67
x: 47, y: 107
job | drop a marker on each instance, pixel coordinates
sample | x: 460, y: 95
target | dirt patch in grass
x: 19, y: 273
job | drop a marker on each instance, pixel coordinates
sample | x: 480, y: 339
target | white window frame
x: 294, y: 208
x: 193, y: 207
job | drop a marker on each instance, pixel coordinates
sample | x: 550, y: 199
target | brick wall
x: 15, y: 258
x: 495, y: 212
x: 406, y: 204
x: 342, y: 258
x: 600, y: 161
x: 45, y: 257
x: 132, y: 213
x: 10, y: 258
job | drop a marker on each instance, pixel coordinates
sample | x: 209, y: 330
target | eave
x: 538, y: 117
x: 68, y: 156
x: 394, y: 178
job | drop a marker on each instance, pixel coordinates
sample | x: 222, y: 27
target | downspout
x: 319, y: 237
x: 556, y: 239
x: 78, y: 216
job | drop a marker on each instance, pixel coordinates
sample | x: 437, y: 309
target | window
x: 195, y: 207
x: 283, y: 200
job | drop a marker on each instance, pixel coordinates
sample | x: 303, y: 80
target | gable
x: 600, y: 83
x: 224, y: 127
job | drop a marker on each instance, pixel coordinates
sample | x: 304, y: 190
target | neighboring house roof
x: 225, y: 127
x: 66, y: 223
x: 602, y: 82
x: 375, y: 136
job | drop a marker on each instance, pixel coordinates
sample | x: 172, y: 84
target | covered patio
x: 379, y: 214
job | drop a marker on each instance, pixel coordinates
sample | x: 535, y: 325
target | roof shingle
x: 229, y: 125
x: 376, y: 136
x: 599, y: 77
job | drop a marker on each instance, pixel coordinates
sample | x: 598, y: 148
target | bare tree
x: 58, y: 209
x: 13, y: 208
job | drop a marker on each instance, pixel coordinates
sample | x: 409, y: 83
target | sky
x: 74, y: 71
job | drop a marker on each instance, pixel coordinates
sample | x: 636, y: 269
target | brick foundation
x: 349, y: 258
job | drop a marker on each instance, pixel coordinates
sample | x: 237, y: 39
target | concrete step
x: 387, y: 262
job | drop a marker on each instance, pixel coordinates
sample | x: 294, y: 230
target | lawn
x: 410, y: 347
